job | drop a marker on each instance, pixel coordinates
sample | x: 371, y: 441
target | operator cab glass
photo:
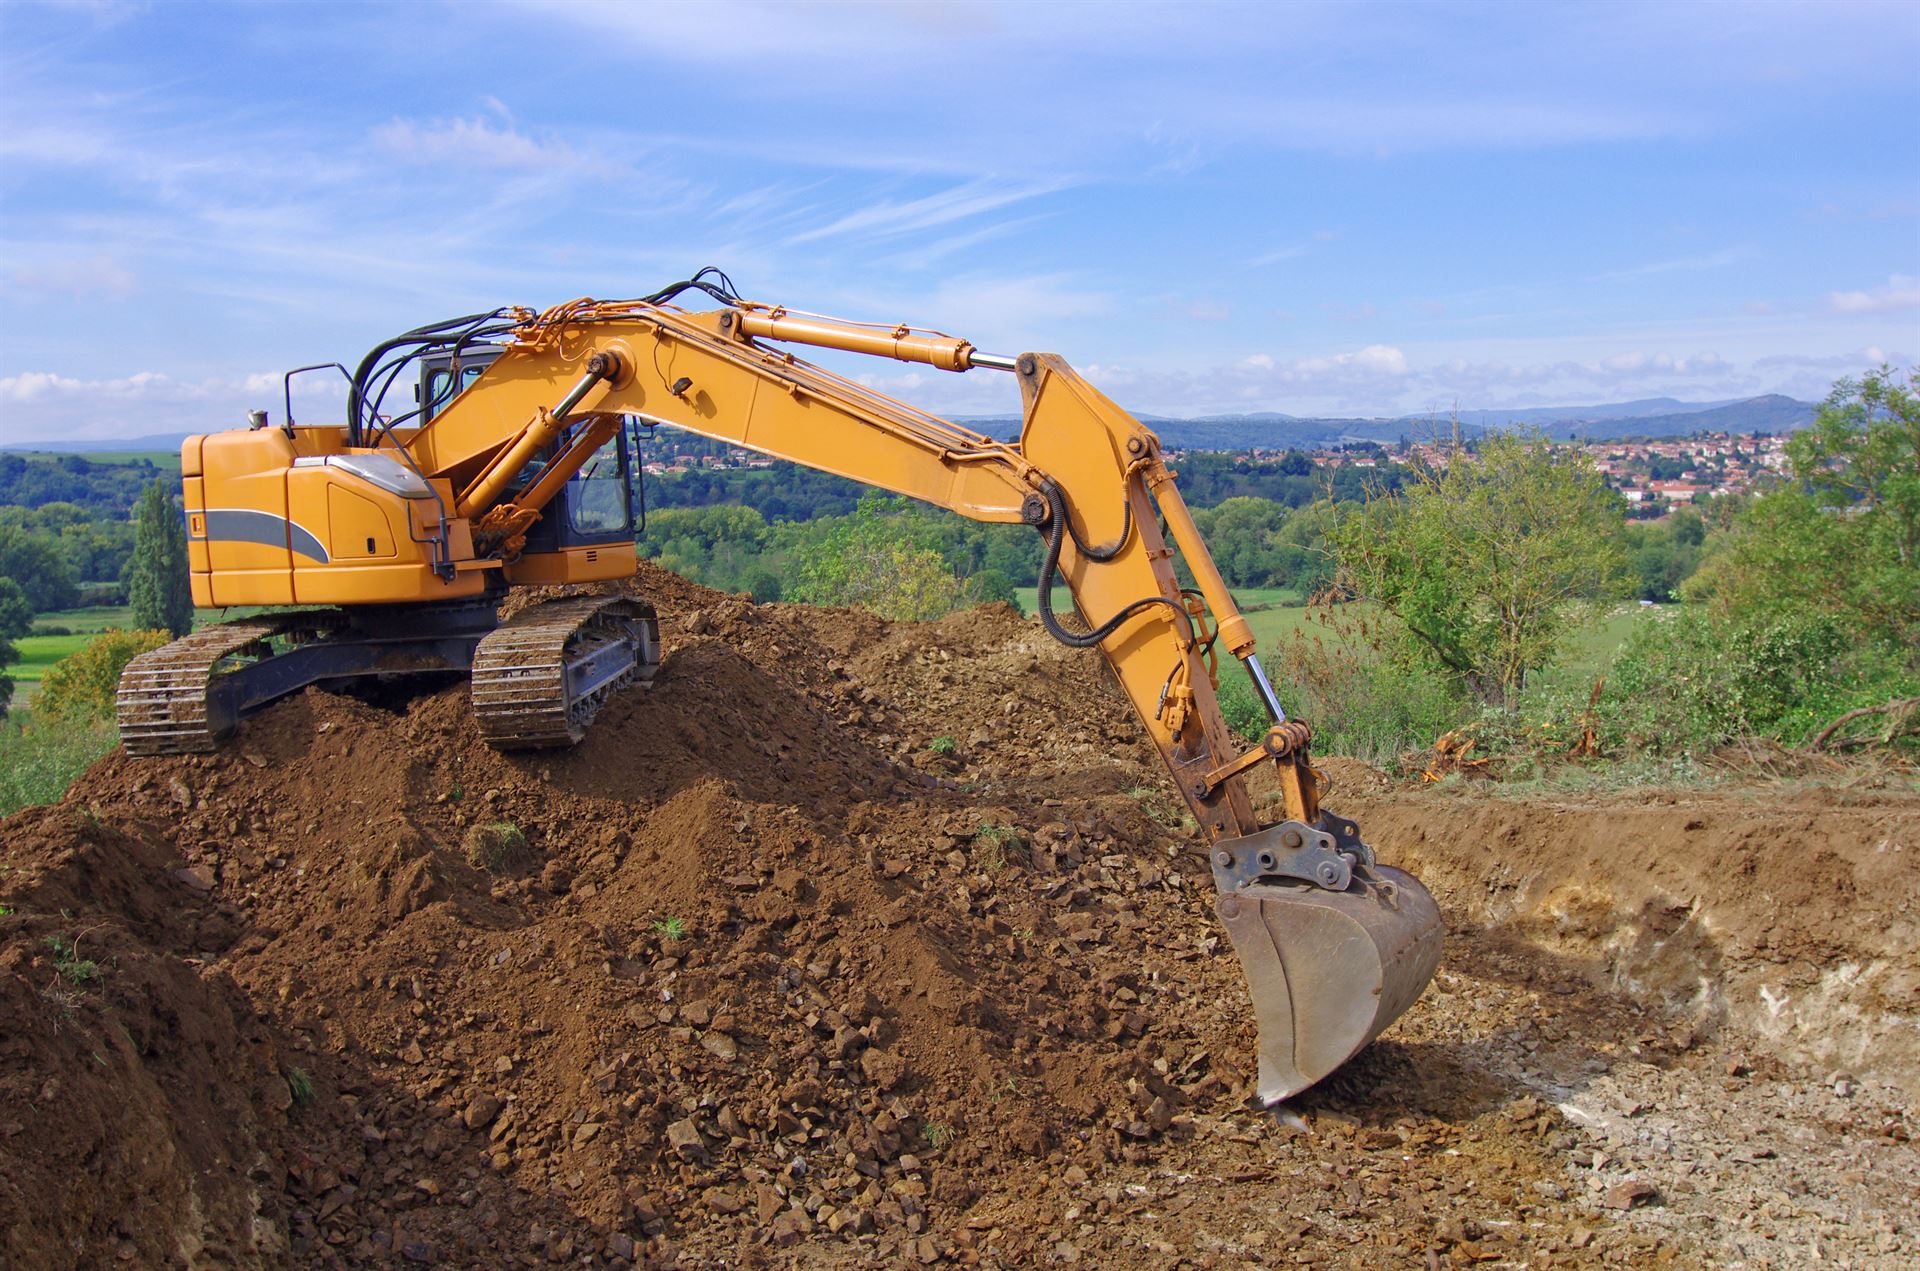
x: 594, y: 507
x: 440, y: 383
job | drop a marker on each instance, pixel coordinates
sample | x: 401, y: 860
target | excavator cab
x: 593, y: 510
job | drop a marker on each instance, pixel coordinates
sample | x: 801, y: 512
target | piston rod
x: 1258, y: 674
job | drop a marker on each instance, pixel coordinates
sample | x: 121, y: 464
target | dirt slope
x: 757, y: 978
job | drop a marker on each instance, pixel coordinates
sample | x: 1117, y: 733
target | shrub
x: 1361, y: 700
x: 1694, y: 680
x: 82, y: 685
x: 878, y: 559
x: 40, y: 757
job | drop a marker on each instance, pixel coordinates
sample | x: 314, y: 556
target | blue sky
x: 1310, y: 208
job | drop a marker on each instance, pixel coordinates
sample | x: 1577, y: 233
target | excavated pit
x: 758, y: 976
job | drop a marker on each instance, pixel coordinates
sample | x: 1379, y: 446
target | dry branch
x: 1903, y: 720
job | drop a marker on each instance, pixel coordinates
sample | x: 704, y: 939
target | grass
x: 941, y: 745
x: 990, y: 846
x: 499, y: 848
x: 938, y: 1133
x: 1591, y: 645
x: 1589, y: 649
x: 299, y: 1084
x: 68, y: 963
x: 671, y: 928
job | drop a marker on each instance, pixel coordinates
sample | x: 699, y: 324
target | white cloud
x: 1901, y: 293
x: 42, y: 406
x: 1664, y: 363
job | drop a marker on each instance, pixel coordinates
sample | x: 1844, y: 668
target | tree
x: 877, y: 559
x: 82, y: 685
x: 1843, y: 536
x: 157, y: 581
x: 990, y: 586
x: 16, y: 619
x: 1484, y: 562
x: 32, y: 558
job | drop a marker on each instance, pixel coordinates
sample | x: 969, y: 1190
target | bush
x: 82, y: 685
x: 1360, y: 700
x: 1694, y: 681
x: 40, y: 758
x: 879, y: 559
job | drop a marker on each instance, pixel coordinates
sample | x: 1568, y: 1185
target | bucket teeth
x: 1329, y: 970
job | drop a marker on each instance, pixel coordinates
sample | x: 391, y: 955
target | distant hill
x: 1772, y: 413
x: 1651, y: 417
x: 85, y: 446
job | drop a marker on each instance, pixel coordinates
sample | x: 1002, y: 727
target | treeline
x: 789, y: 492
x: 105, y: 491
x: 65, y: 555
x: 1256, y: 542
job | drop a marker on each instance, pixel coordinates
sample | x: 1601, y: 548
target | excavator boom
x: 1335, y: 945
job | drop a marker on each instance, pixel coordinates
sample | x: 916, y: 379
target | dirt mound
x: 127, y: 1055
x: 845, y: 943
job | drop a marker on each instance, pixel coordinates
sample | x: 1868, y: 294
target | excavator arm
x: 1335, y: 945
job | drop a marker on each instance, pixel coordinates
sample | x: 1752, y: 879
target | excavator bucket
x: 1329, y: 969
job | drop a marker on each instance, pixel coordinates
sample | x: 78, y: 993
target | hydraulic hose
x: 1057, y: 530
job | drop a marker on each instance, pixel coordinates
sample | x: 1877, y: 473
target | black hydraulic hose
x: 1057, y: 530
x: 1112, y: 549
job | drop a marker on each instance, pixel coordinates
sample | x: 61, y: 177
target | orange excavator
x: 383, y: 546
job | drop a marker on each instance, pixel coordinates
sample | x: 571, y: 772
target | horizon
x: 1212, y: 209
x: 84, y: 445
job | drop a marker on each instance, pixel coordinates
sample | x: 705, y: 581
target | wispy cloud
x: 890, y: 217
x: 1294, y: 251
x: 1106, y: 179
x: 1676, y: 265
x: 95, y: 277
x: 471, y: 143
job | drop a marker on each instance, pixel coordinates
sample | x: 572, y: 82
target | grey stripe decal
x: 244, y: 525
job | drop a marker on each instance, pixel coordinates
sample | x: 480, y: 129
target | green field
x: 37, y: 653
x: 86, y: 621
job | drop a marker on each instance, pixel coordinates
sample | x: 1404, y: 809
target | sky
x: 1350, y: 209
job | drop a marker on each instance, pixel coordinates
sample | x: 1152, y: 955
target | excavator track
x: 541, y: 677
x: 163, y: 706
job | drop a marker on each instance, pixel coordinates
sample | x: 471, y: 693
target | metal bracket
x: 1291, y: 849
x: 1346, y: 838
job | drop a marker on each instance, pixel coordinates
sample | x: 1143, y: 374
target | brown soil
x: 761, y: 975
